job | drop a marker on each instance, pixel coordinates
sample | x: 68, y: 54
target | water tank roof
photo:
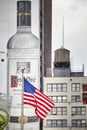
x: 61, y: 48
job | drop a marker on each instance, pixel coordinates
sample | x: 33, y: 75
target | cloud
x: 75, y: 4
x: 81, y: 2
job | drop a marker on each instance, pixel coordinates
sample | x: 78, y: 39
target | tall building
x: 68, y: 90
x: 45, y: 34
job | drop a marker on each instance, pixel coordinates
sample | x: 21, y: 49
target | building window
x: 62, y: 111
x: 84, y: 95
x: 56, y: 123
x: 78, y: 110
x: 54, y: 98
x: 59, y: 111
x: 84, y: 87
x: 75, y: 98
x: 61, y: 123
x: 58, y: 99
x: 54, y: 88
x: 49, y: 88
x: 78, y: 123
x: 62, y: 99
x: 75, y: 87
x: 54, y: 111
x: 62, y: 87
x: 48, y: 123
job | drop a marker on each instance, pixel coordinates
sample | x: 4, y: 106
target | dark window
x: 56, y: 123
x: 78, y: 123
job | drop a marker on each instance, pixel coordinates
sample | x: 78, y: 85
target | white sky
x: 75, y: 29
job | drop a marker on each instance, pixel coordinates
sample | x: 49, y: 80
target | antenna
x: 83, y: 68
x: 63, y: 33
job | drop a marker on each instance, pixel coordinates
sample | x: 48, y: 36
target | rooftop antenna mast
x: 63, y: 33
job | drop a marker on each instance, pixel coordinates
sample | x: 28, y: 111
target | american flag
x: 33, y: 97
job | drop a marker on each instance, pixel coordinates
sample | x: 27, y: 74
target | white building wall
x: 68, y: 104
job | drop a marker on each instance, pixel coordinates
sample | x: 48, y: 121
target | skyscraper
x: 45, y: 34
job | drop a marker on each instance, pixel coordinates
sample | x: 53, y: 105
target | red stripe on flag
x: 42, y: 103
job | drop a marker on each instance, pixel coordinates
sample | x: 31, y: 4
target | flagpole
x: 22, y: 105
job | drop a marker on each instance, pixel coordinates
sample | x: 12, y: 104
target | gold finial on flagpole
x: 22, y: 70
